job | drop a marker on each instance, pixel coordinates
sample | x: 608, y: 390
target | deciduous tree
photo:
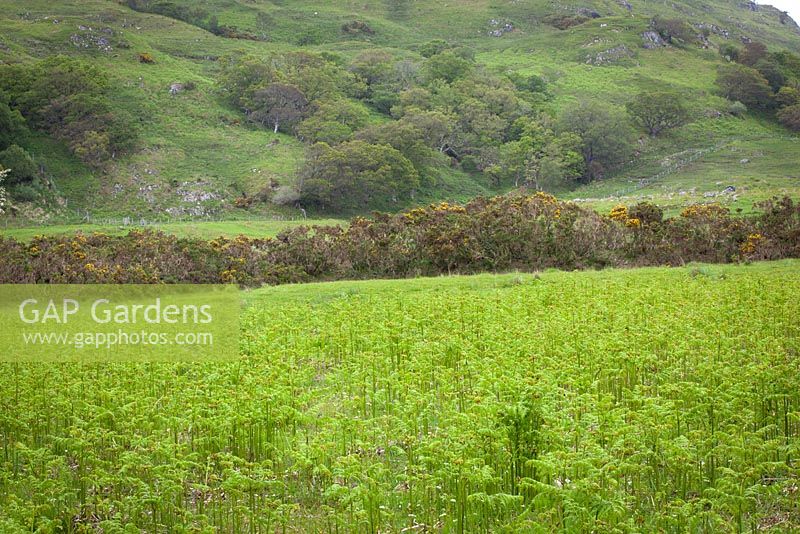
x: 280, y: 106
x: 606, y: 137
x: 446, y: 66
x: 658, y: 111
x: 404, y: 137
x: 355, y: 174
x: 746, y: 85
x: 333, y: 122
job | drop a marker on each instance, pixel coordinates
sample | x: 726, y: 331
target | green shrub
x: 23, y: 168
x: 24, y: 193
x: 737, y: 109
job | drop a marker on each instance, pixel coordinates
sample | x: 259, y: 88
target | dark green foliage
x: 606, y: 137
x: 434, y: 47
x: 332, y: 122
x: 310, y: 76
x: 753, y: 52
x: 68, y: 99
x: 777, y: 73
x: 647, y: 213
x: 448, y: 105
x: 438, y: 128
x: 729, y: 51
x: 32, y: 89
x: 446, y: 66
x: 772, y: 73
x: 470, y: 117
x: 788, y: 96
x: 357, y: 27
x: 658, y: 111
x: 737, y: 109
x: 12, y: 124
x: 789, y: 62
x: 384, y: 77
x: 746, y: 85
x: 541, y: 159
x: 193, y: 15
x: 240, y: 77
x: 530, y: 83
x: 406, y: 138
x: 23, y: 168
x: 25, y: 192
x: 373, y: 67
x: 355, y: 174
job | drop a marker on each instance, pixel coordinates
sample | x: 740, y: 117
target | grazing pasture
x: 650, y: 400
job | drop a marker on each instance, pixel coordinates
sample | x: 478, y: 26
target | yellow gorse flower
x: 619, y: 213
x: 749, y: 246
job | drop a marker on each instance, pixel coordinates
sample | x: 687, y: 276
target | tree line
x: 764, y: 81
x: 398, y: 122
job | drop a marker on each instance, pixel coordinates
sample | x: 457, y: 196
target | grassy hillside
x: 631, y: 401
x: 193, y: 145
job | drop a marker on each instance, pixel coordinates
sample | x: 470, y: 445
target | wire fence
x: 83, y: 217
x: 669, y: 170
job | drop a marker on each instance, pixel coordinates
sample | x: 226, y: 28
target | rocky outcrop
x: 653, y: 39
x: 750, y: 4
x: 500, y: 28
x: 610, y: 56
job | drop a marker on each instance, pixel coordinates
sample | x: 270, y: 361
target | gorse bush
x: 527, y: 232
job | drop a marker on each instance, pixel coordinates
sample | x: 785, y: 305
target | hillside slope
x: 196, y: 153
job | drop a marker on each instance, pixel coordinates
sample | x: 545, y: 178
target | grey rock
x: 588, y: 13
x: 610, y: 56
x: 652, y: 40
x: 750, y: 4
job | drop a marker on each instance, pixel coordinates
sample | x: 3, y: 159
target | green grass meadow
x: 199, y: 230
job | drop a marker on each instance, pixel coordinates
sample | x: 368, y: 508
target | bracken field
x: 651, y: 400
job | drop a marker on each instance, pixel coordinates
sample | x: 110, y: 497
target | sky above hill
x: 790, y: 6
